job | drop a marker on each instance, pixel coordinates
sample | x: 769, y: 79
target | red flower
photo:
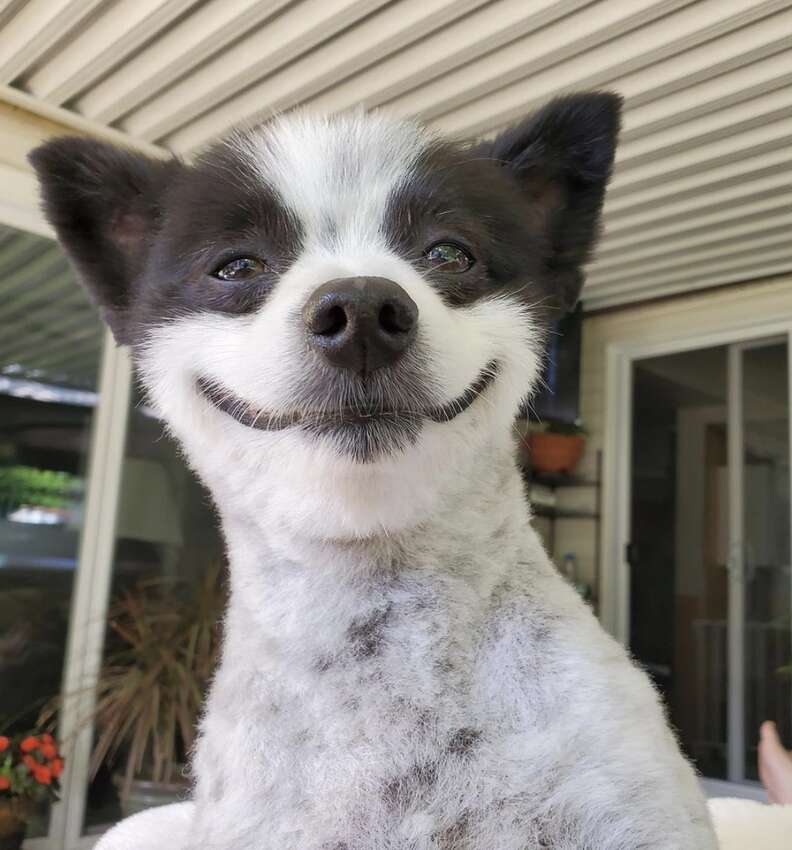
x: 4, y: 742
x: 30, y: 763
x: 5, y: 783
x: 46, y: 738
x: 43, y: 774
x: 49, y: 751
x: 57, y: 767
x: 29, y: 744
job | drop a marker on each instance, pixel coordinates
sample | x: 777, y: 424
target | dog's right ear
x: 562, y: 156
x: 105, y: 204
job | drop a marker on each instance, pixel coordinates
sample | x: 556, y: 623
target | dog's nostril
x: 394, y: 320
x: 330, y: 321
x: 360, y: 323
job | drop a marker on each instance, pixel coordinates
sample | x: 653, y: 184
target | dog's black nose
x: 361, y: 323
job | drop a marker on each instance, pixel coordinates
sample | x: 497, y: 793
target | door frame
x: 616, y: 513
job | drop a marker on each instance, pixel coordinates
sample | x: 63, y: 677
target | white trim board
x: 20, y: 206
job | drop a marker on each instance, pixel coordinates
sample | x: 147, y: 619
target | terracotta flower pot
x: 14, y: 814
x: 552, y: 454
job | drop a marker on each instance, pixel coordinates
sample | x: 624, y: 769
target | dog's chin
x: 365, y: 440
x: 361, y: 432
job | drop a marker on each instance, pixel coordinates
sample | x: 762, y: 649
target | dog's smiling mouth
x: 247, y: 414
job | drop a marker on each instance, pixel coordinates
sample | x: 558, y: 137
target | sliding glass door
x: 709, y: 550
x: 759, y: 551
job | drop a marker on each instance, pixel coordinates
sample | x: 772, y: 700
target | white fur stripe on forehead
x: 335, y: 173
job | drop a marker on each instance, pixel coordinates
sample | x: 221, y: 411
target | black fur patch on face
x: 147, y: 236
x: 221, y: 212
x: 454, y: 196
x: 525, y: 205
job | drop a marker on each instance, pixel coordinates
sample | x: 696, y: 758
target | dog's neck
x: 290, y: 587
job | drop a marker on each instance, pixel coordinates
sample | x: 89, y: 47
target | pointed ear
x: 105, y: 205
x: 562, y: 156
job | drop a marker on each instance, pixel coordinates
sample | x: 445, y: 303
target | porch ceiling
x: 702, y: 193
x: 50, y: 330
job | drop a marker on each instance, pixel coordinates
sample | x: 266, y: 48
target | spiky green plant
x: 165, y: 639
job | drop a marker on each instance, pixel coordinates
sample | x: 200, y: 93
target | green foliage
x: 21, y: 781
x: 569, y: 429
x: 47, y: 488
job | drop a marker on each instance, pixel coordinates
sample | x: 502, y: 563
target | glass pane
x: 168, y: 554
x: 768, y: 579
x: 679, y: 543
x: 49, y: 357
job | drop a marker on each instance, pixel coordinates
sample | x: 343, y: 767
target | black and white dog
x: 338, y: 317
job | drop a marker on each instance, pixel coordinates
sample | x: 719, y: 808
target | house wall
x: 701, y: 313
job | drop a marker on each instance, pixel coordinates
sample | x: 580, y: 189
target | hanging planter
x: 556, y: 450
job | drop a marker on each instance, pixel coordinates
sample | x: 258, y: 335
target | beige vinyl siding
x: 702, y: 190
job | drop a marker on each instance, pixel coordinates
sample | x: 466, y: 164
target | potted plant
x: 557, y: 448
x: 30, y: 769
x: 163, y: 644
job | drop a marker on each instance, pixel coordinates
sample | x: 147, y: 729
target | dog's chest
x: 391, y: 733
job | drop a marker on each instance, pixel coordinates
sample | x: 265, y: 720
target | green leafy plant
x: 569, y: 429
x: 47, y: 488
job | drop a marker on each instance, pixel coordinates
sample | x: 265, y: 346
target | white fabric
x: 739, y: 824
x: 160, y: 828
x: 748, y: 825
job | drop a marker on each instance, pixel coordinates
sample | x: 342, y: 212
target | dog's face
x: 335, y: 315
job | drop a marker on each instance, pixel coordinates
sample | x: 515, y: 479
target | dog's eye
x: 447, y: 257
x: 242, y: 268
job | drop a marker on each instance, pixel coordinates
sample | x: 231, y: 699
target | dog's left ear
x: 563, y: 155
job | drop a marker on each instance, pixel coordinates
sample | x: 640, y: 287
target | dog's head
x: 336, y: 314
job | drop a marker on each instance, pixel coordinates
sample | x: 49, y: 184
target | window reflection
x: 49, y: 356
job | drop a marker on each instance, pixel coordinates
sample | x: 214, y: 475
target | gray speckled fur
x: 473, y: 637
